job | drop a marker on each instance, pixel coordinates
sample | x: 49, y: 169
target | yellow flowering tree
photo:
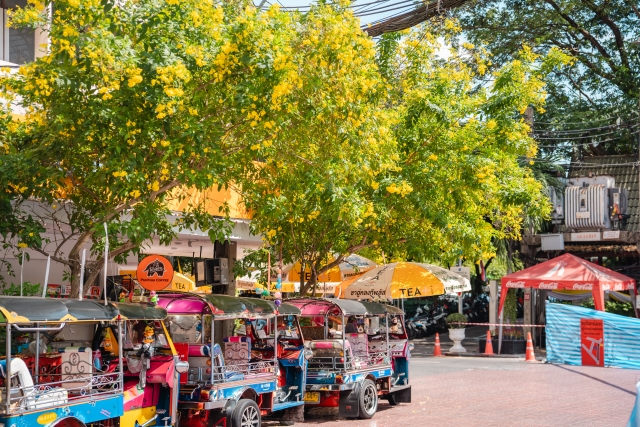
x: 133, y: 102
x: 311, y: 184
x: 434, y: 175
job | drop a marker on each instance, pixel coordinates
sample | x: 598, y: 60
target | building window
x: 17, y: 46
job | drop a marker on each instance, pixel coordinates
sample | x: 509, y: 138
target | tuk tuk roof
x: 221, y: 306
x: 22, y: 310
x: 140, y: 312
x: 334, y: 306
x: 376, y: 307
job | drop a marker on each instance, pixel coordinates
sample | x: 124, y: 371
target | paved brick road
x: 504, y: 392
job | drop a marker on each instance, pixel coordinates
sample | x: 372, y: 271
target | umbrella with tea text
x: 404, y: 280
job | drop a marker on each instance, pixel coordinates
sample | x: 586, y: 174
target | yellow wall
x: 212, y: 199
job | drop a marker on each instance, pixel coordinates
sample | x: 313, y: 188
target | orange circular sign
x: 154, y: 273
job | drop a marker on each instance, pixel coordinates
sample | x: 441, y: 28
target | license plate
x: 312, y: 397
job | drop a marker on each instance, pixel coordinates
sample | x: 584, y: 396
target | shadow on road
x: 326, y: 415
x: 594, y: 378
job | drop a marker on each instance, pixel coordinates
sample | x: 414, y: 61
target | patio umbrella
x: 353, y: 265
x: 250, y: 282
x: 404, y: 280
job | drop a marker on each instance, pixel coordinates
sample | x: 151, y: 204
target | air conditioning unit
x: 557, y: 202
x: 594, y: 203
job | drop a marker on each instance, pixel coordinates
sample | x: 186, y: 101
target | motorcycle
x: 410, y: 327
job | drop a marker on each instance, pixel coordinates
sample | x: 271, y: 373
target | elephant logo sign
x: 156, y: 267
x: 154, y: 273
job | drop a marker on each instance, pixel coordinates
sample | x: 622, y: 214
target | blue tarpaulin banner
x: 621, y: 336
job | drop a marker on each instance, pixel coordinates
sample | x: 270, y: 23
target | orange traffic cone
x: 488, y: 349
x: 436, y: 350
x: 530, y: 356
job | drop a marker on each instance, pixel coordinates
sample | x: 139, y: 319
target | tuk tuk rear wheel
x: 368, y: 400
x: 246, y: 414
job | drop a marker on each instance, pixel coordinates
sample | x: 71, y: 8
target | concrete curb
x: 498, y: 356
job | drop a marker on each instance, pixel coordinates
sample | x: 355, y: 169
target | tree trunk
x: 98, y: 265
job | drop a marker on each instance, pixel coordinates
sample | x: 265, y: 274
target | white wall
x: 35, y: 267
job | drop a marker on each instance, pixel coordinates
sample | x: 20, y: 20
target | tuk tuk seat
x: 33, y: 397
x: 76, y: 364
x: 344, y: 357
x: 359, y: 344
x: 200, y: 368
x: 237, y: 351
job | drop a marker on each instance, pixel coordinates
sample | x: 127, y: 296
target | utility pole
x: 528, y: 297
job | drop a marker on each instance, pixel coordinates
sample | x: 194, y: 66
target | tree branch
x: 614, y: 29
x: 53, y: 257
x: 635, y: 9
x: 588, y: 36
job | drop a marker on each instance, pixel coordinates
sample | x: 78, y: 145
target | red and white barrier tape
x: 498, y: 324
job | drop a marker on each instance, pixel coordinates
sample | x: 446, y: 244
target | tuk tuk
x: 236, y: 376
x: 360, y: 352
x: 77, y: 363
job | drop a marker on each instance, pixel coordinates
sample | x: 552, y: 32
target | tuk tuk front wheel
x: 368, y: 399
x: 246, y: 414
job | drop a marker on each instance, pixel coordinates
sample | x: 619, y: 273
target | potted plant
x: 455, y: 322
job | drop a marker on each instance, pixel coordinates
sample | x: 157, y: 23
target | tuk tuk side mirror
x: 182, y: 367
x: 411, y: 346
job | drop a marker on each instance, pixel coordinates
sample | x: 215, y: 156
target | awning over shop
x: 568, y: 272
x: 353, y: 265
x: 252, y: 281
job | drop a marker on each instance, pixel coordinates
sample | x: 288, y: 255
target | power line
x: 387, y: 8
x: 572, y: 131
x: 582, y: 123
x: 364, y: 7
x: 584, y: 144
x: 587, y: 136
x: 579, y: 163
x: 331, y: 4
x: 414, y: 17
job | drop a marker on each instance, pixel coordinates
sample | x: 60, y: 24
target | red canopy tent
x: 569, y: 272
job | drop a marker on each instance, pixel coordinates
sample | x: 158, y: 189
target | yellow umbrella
x: 353, y: 265
x: 250, y: 282
x: 403, y: 280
